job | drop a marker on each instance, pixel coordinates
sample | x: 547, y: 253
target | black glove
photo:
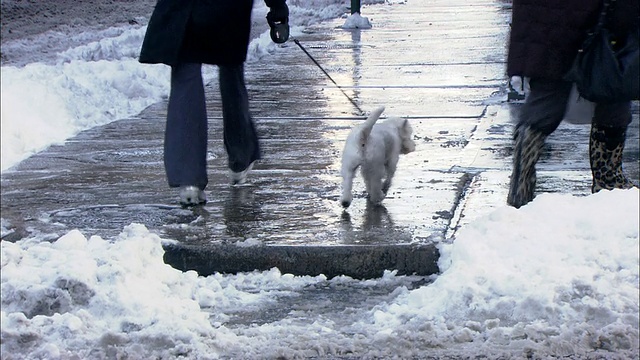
x: 279, y: 14
x: 278, y: 19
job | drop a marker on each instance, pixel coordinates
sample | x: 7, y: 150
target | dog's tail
x: 368, y: 125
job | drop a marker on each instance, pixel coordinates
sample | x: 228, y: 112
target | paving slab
x: 438, y: 63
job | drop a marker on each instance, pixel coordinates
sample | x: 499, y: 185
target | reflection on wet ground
x: 375, y: 227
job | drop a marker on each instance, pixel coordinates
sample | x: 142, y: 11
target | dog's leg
x: 376, y: 195
x: 373, y: 182
x: 347, y: 183
x: 390, y: 167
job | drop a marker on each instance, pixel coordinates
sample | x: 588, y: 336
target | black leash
x: 329, y: 76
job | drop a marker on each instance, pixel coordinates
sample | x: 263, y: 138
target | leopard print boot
x: 528, y: 144
x: 605, y: 155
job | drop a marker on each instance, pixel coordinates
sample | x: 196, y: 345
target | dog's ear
x: 405, y: 123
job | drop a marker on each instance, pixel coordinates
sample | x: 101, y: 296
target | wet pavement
x: 438, y: 63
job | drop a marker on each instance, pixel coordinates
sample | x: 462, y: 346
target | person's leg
x: 185, y: 143
x: 540, y: 116
x: 240, y: 137
x: 606, y: 144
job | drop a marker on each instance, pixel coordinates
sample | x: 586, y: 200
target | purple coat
x: 546, y: 34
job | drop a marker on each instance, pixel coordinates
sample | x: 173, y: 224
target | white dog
x: 376, y: 149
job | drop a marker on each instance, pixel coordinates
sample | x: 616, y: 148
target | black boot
x: 528, y: 144
x: 605, y: 155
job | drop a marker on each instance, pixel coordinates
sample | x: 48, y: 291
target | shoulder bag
x: 607, y: 70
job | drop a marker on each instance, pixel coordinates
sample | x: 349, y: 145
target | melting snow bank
x: 90, y: 85
x: 557, y: 278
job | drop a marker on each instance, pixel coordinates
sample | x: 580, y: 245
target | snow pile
x: 357, y: 21
x: 100, y: 296
x: 559, y: 277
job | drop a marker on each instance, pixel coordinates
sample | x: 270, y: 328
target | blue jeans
x: 185, y: 142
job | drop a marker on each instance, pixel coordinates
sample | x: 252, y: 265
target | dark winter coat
x: 199, y: 31
x: 546, y: 34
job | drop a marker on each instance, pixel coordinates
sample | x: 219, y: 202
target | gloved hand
x: 278, y: 20
x: 279, y: 14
